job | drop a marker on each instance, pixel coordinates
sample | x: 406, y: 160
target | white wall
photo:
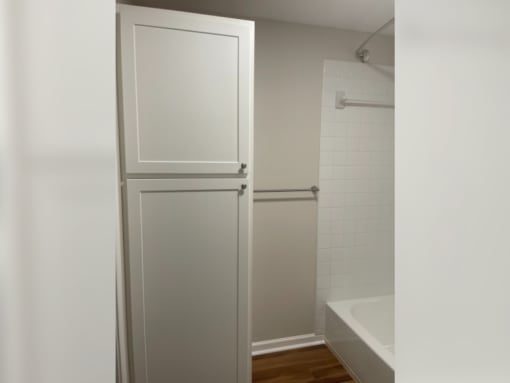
x: 59, y: 194
x: 452, y: 191
x: 356, y: 249
x: 289, y: 62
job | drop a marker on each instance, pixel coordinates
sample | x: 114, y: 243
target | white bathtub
x: 361, y: 334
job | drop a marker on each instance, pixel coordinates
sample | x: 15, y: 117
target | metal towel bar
x: 342, y: 101
x: 313, y: 189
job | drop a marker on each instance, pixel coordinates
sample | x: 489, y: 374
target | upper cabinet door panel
x: 186, y: 91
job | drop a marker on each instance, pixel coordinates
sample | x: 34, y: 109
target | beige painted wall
x: 288, y: 89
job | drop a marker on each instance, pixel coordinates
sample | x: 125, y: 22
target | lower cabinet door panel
x: 187, y: 248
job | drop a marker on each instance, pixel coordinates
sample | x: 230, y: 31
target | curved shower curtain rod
x: 364, y: 54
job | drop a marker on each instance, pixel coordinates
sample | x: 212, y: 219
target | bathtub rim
x: 343, y: 309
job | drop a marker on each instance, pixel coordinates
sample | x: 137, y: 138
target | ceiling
x: 357, y: 15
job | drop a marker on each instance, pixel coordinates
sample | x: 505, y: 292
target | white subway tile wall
x: 356, y: 216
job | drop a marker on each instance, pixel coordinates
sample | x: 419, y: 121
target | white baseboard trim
x: 283, y: 344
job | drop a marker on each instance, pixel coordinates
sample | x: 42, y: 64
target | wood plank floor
x: 306, y: 365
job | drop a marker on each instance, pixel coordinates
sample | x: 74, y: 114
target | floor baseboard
x: 283, y: 344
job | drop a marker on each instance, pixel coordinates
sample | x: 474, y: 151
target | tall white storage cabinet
x: 185, y: 117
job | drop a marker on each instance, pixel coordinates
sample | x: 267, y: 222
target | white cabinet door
x: 186, y: 91
x: 188, y: 242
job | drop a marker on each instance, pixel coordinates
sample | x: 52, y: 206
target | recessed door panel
x: 187, y: 88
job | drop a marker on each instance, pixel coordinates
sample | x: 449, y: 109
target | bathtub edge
x: 341, y: 360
